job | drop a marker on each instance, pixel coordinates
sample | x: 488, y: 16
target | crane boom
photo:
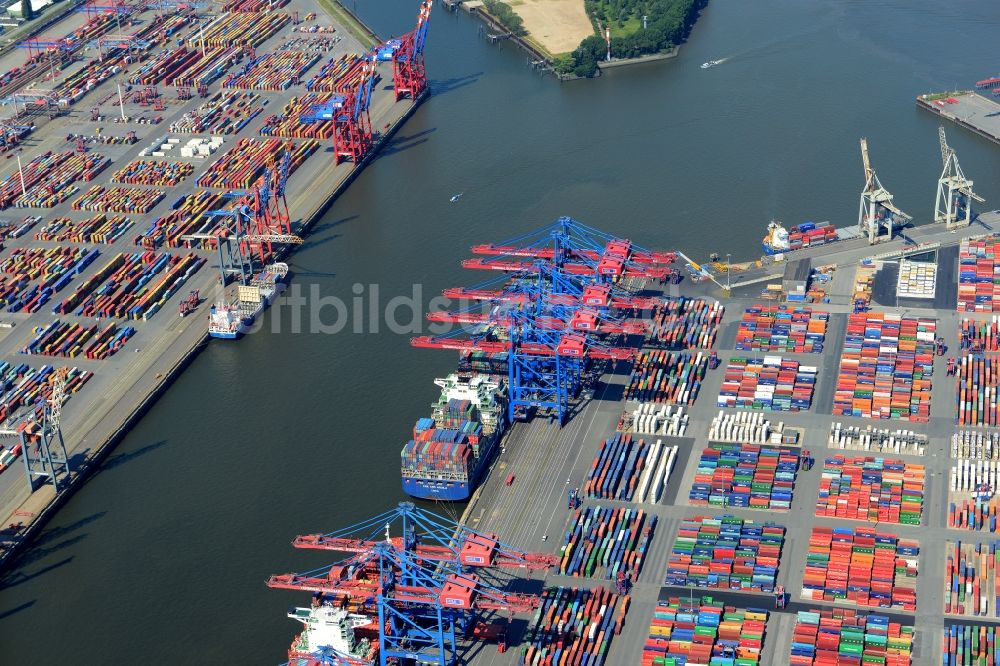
x: 866, y: 162
x: 946, y: 150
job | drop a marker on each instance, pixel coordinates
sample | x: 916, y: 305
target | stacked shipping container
x: 242, y: 165
x: 439, y: 450
x: 978, y: 275
x: 48, y: 179
x: 225, y: 112
x: 748, y: 427
x: 970, y: 645
x: 629, y: 470
x: 977, y: 445
x: 153, y: 172
x: 885, y: 371
x: 842, y: 637
x: 272, y: 71
x: 771, y: 384
x: 32, y: 276
x: 242, y: 29
x: 917, y: 279
x: 130, y: 286
x: 686, y: 323
x: 708, y: 633
x: 976, y: 384
x: 808, y: 234
x: 974, y: 503
x: 659, y: 419
x: 573, y: 626
x: 661, y: 376
x: 745, y: 475
x: 97, y: 229
x: 880, y: 440
x: 187, y: 215
x: 727, y: 553
x: 606, y: 541
x: 118, y: 199
x: 861, y: 566
x: 782, y: 328
x: 71, y: 340
x: 971, y: 579
x: 981, y: 336
x: 878, y: 490
x: 21, y: 385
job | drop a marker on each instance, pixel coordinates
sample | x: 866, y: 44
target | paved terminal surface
x: 547, y: 460
x: 122, y: 383
x: 977, y: 112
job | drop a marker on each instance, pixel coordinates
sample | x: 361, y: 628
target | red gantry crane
x: 409, y: 75
x: 576, y: 249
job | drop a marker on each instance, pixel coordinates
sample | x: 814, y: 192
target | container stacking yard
x: 707, y: 633
x: 745, y: 475
x: 98, y: 273
x: 770, y: 383
x: 727, y: 553
x: 970, y: 572
x: 877, y: 490
x: 862, y: 567
x: 148, y: 214
x: 886, y: 367
x: 835, y: 637
x: 782, y: 328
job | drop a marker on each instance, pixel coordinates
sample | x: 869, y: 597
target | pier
x: 971, y: 110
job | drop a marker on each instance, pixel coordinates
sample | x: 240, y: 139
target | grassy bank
x: 345, y: 18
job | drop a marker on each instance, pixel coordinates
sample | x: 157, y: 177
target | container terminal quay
x: 668, y: 461
x: 149, y: 153
x: 703, y: 466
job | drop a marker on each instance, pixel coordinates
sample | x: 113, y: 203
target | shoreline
x: 480, y: 12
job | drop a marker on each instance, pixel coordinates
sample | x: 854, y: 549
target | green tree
x: 586, y: 65
x: 668, y: 22
x: 26, y: 12
x: 502, y: 12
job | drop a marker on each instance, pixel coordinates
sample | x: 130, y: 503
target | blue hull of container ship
x: 449, y: 491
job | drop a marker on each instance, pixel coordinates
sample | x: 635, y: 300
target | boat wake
x: 713, y: 63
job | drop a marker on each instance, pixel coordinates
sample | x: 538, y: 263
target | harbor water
x: 164, y: 553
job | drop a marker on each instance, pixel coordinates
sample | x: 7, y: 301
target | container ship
x: 353, y: 637
x: 452, y: 449
x: 231, y: 317
x: 780, y: 240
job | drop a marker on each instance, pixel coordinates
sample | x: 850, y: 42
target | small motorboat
x: 456, y: 197
x: 710, y: 63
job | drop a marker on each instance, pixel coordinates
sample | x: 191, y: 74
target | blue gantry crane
x: 545, y: 347
x: 422, y: 575
x: 562, y: 300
